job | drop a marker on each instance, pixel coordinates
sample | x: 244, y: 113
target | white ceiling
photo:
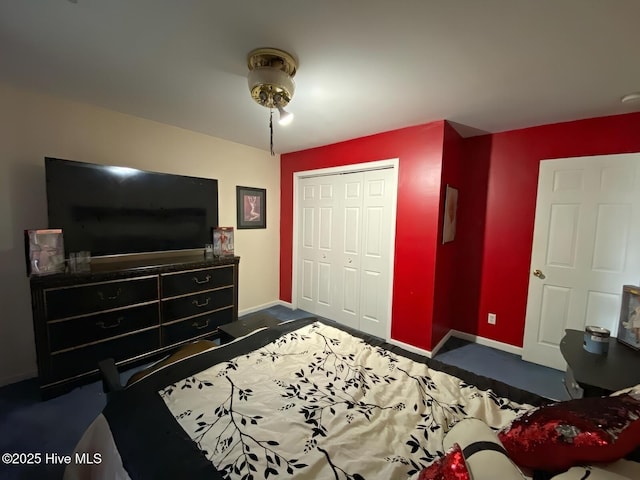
x: 365, y: 66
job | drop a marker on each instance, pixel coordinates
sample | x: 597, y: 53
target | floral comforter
x: 318, y: 402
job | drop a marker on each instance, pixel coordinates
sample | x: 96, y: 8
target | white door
x: 585, y: 248
x: 317, y: 245
x: 378, y: 232
x: 345, y: 229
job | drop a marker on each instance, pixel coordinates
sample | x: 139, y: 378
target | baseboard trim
x: 247, y: 311
x: 289, y: 305
x: 410, y: 348
x: 442, y: 342
x: 18, y: 378
x: 487, y: 342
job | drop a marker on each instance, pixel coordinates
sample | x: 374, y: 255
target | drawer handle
x: 200, y: 282
x: 110, y: 325
x: 197, y: 304
x: 110, y: 297
x: 200, y: 327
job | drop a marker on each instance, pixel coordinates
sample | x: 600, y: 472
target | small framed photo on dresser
x: 223, y: 241
x: 629, y: 325
x: 45, y: 251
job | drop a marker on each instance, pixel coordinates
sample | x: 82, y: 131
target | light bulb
x: 285, y: 117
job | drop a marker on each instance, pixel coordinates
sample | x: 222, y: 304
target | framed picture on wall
x: 251, y: 207
x: 450, y: 214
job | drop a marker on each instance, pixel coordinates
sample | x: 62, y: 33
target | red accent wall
x: 509, y: 162
x: 486, y: 269
x: 447, y: 281
x: 420, y: 150
x: 472, y: 210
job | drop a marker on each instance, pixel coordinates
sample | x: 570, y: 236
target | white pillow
x: 484, y: 454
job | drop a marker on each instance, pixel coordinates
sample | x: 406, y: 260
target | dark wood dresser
x: 133, y: 311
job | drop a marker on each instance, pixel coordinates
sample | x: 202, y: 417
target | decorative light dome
x: 270, y: 80
x: 271, y: 73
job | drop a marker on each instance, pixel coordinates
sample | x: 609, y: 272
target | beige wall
x: 33, y: 126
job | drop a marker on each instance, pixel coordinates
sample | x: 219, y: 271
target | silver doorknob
x: 538, y: 273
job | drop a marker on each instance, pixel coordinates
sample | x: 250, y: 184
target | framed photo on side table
x: 252, y: 207
x: 629, y: 326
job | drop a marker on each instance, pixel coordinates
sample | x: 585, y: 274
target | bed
x: 306, y: 399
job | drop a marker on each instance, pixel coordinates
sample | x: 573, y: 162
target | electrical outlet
x: 491, y: 318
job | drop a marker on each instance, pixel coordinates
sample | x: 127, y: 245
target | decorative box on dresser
x: 133, y: 311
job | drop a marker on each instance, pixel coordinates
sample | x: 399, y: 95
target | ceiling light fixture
x: 270, y: 79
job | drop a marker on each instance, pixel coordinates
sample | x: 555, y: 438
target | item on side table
x: 596, y: 339
x: 629, y: 324
x: 223, y: 241
x: 45, y: 251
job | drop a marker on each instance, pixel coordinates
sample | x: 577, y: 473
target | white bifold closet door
x: 344, y: 248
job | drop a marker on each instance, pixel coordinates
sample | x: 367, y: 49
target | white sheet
x: 97, y: 439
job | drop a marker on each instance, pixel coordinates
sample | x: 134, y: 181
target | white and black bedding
x: 305, y: 399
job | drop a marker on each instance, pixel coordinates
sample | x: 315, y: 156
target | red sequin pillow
x: 450, y: 467
x: 560, y: 435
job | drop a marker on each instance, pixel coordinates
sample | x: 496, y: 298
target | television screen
x: 116, y: 210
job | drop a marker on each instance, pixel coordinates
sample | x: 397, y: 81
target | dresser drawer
x: 95, y: 297
x: 85, y: 359
x: 199, y: 303
x: 82, y: 330
x: 174, y: 284
x: 196, y: 326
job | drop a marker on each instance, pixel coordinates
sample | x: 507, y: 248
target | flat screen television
x: 110, y: 210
